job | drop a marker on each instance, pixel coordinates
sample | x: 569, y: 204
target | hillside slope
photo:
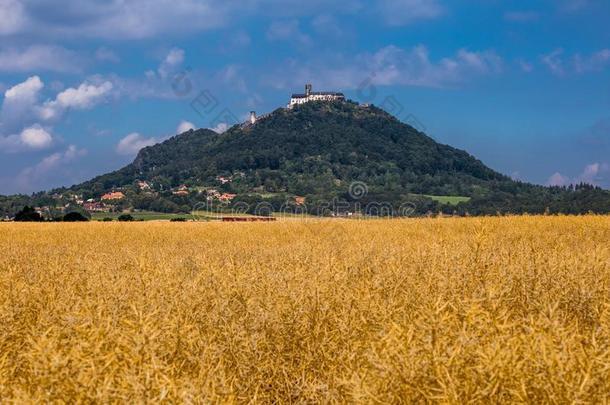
x: 315, y: 148
x: 318, y: 150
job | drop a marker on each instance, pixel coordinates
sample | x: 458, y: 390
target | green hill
x: 320, y: 150
x: 317, y: 148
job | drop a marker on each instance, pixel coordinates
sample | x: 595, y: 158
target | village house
x: 299, y: 200
x: 212, y: 194
x: 78, y: 199
x: 223, y: 180
x: 143, y: 186
x: 182, y: 190
x: 43, y: 211
x: 227, y: 197
x: 115, y: 195
x: 94, y: 206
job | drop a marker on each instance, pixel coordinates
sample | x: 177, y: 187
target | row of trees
x: 29, y: 214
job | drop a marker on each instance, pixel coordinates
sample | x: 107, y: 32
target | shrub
x: 177, y: 220
x: 126, y: 218
x: 75, y: 217
x: 28, y: 214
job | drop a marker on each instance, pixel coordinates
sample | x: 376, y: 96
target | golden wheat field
x: 513, y: 309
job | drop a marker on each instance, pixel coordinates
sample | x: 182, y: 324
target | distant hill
x: 318, y: 150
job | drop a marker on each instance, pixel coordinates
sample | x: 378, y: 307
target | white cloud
x: 594, y: 173
x: 168, y: 81
x: 39, y: 58
x: 220, y: 128
x: 21, y: 112
x: 36, y: 137
x: 31, y: 138
x: 557, y: 179
x: 52, y: 161
x: 12, y: 16
x: 73, y: 152
x: 115, y: 19
x: 595, y: 62
x: 26, y: 91
x: 139, y: 19
x: 184, y: 126
x: 396, y: 66
x: 172, y: 61
x: 516, y: 175
x: 561, y: 66
x: 287, y: 31
x: 232, y: 76
x: 131, y: 144
x: 21, y: 109
x: 328, y: 26
x: 39, y: 175
x: 389, y: 66
x: 403, y: 12
x: 554, y: 62
x: 84, y: 97
x: 18, y: 105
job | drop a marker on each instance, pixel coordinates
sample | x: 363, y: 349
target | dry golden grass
x: 429, y: 310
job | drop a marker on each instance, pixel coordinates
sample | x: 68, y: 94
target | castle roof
x: 319, y: 93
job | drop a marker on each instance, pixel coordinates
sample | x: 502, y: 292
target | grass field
x: 144, y: 215
x: 197, y: 216
x: 446, y: 199
x: 451, y: 200
x: 451, y: 310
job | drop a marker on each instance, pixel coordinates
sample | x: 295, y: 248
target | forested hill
x: 317, y: 150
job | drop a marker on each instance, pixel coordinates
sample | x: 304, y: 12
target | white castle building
x: 295, y: 99
x: 310, y: 95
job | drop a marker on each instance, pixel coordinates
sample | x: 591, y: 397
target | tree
x: 28, y: 214
x: 75, y: 217
x: 79, y: 210
x: 126, y: 218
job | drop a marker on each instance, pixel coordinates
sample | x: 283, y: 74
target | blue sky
x: 522, y: 85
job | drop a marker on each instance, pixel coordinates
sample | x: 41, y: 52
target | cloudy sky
x: 522, y: 85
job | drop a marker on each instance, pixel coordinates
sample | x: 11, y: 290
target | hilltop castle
x: 310, y: 95
x: 295, y: 99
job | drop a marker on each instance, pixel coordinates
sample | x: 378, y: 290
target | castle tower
x: 252, y: 117
x: 308, y: 88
